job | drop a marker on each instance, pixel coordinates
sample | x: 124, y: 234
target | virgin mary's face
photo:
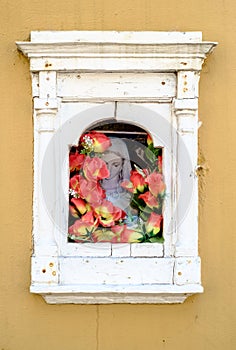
x: 114, y: 164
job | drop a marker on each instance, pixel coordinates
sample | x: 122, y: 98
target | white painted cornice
x: 149, y: 51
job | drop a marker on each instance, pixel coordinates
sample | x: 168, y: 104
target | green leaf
x: 157, y: 239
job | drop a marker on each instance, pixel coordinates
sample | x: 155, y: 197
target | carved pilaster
x: 45, y: 178
x: 187, y: 192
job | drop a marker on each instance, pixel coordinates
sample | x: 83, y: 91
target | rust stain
x: 51, y: 264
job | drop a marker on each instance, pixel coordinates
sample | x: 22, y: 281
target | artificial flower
x: 153, y: 223
x: 107, y: 213
x: 117, y: 234
x: 95, y: 141
x: 137, y: 180
x: 95, y: 169
x: 83, y: 228
x: 149, y: 140
x: 155, y: 183
x: 136, y: 183
x: 159, y: 163
x: 126, y: 235
x: 76, y: 161
x: 78, y: 207
x: 127, y: 185
x: 75, y: 185
x: 91, y: 191
x: 149, y: 199
x: 104, y: 235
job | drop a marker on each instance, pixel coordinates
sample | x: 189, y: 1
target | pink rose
x: 107, y: 213
x: 153, y: 223
x: 81, y: 229
x: 155, y: 184
x: 95, y: 169
x: 91, y: 191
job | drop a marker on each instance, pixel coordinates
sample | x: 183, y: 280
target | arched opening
x: 116, y: 186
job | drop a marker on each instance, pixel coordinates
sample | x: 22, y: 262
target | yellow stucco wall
x: 203, y: 322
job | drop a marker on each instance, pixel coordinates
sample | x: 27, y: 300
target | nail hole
x: 163, y: 82
x: 51, y: 264
x: 179, y: 273
x: 43, y: 270
x: 54, y: 273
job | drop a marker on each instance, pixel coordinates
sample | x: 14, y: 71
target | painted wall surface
x: 203, y: 322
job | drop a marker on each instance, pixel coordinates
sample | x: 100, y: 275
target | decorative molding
x: 108, y: 52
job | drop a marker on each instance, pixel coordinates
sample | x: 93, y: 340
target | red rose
x: 75, y: 183
x: 76, y: 161
x: 137, y: 180
x: 78, y: 206
x: 97, y: 141
x: 149, y: 199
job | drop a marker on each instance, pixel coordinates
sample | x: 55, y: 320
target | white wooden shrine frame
x: 149, y: 79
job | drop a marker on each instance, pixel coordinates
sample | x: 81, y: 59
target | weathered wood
x: 149, y: 79
x: 116, y: 271
x: 118, y: 86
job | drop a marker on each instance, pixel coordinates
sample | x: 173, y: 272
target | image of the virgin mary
x: 118, y: 163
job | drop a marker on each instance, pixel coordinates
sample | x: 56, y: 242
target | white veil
x: 119, y: 147
x: 119, y: 197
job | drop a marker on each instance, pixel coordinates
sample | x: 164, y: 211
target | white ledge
x: 112, y: 294
x: 100, y: 49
